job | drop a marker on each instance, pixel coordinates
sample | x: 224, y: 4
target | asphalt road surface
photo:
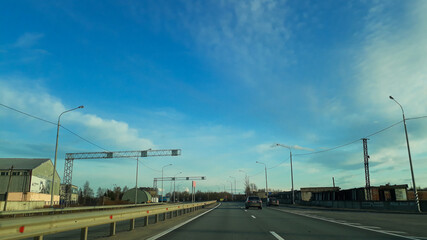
x: 233, y: 221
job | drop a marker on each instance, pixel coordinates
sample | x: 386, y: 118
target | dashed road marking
x: 276, y: 235
x: 253, y: 216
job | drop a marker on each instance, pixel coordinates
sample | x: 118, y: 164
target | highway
x: 232, y: 221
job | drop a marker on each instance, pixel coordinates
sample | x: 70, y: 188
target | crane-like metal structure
x: 366, y: 161
x: 174, y: 179
x: 168, y: 179
x: 70, y: 157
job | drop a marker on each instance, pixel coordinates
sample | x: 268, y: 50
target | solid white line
x: 372, y: 227
x: 253, y: 216
x: 398, y: 232
x: 276, y: 235
x: 180, y: 225
x: 350, y: 225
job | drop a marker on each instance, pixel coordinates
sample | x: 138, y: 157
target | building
x: 308, y: 194
x: 143, y: 196
x: 30, y: 180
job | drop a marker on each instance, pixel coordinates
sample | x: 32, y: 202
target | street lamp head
x: 391, y: 97
x: 81, y: 106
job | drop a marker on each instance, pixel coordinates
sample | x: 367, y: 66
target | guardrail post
x: 38, y: 237
x: 146, y: 220
x: 132, y: 224
x: 83, y: 233
x: 112, y: 228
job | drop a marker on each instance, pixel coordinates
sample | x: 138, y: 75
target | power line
x: 84, y: 139
x: 16, y: 110
x: 47, y: 121
x: 413, y: 118
x: 346, y: 144
x: 70, y: 131
x: 279, y: 164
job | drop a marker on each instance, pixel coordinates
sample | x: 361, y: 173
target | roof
x: 21, y: 163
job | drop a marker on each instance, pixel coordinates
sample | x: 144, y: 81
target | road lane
x: 232, y: 221
x: 409, y: 224
x: 228, y: 221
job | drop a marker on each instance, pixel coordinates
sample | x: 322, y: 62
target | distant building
x: 308, y: 193
x: 142, y: 196
x: 31, y: 180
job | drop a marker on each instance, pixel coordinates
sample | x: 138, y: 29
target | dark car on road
x: 273, y: 202
x: 253, y: 202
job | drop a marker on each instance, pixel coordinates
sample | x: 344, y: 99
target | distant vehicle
x: 253, y: 202
x: 273, y: 202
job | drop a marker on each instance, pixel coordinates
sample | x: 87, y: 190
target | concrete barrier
x: 20, y: 206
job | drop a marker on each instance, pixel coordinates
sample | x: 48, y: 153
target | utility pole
x: 7, y: 189
x: 410, y: 158
x: 333, y: 181
x: 366, y: 161
x: 136, y: 182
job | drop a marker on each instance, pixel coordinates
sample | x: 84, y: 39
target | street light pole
x: 292, y: 171
x: 409, y: 154
x: 162, y: 179
x: 56, y: 153
x: 235, y: 187
x: 174, y: 181
x: 231, y: 189
x: 266, y: 184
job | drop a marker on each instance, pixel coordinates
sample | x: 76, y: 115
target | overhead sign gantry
x: 70, y: 157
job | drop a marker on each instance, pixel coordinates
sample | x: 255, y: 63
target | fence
x: 406, y: 206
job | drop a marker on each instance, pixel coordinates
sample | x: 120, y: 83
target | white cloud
x: 28, y: 40
x: 16, y: 93
x: 393, y: 61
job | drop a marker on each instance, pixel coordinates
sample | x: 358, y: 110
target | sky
x: 223, y: 81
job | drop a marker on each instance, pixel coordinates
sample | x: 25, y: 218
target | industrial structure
x: 366, y: 163
x: 174, y: 179
x: 27, y: 179
x: 70, y: 157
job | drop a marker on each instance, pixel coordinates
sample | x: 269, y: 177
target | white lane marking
x: 276, y: 235
x: 180, y: 225
x: 398, y: 232
x: 253, y: 216
x: 373, y: 227
x: 350, y: 225
x: 246, y: 210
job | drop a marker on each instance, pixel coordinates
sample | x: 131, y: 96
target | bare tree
x: 87, y: 191
x: 100, y: 192
x: 253, y: 187
x: 247, y: 186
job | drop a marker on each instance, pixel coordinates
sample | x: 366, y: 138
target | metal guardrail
x: 39, y: 226
x: 72, y: 209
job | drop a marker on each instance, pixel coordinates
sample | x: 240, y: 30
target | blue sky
x: 221, y: 80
